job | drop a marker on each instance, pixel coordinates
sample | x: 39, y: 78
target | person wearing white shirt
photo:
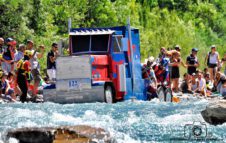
x: 202, y: 84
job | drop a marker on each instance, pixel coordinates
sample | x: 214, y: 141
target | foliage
x: 162, y: 23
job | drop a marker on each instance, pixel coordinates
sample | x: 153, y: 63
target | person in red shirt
x: 24, y: 74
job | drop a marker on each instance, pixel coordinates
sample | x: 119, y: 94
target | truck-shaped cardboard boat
x: 104, y: 65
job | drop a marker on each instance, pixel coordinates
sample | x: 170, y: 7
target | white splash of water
x: 13, y: 140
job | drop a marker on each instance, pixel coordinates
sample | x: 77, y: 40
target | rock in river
x: 215, y: 113
x: 66, y: 134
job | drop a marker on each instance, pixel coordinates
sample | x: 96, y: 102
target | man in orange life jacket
x: 23, y: 74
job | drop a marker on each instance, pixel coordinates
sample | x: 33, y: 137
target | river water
x: 127, y: 122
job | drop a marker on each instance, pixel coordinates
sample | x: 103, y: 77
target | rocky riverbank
x: 215, y: 113
x: 75, y: 134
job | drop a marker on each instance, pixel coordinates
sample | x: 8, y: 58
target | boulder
x: 66, y: 134
x: 215, y: 113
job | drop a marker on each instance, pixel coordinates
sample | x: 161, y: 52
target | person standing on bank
x: 8, y: 55
x: 23, y: 74
x: 175, y: 62
x: 51, y: 62
x: 35, y: 67
x: 192, y: 62
x: 213, y: 61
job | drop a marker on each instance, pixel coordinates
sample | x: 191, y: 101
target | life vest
x: 23, y: 67
x: 20, y: 64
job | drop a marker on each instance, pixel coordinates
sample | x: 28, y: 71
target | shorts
x: 36, y: 75
x: 51, y: 73
x: 225, y: 71
x: 175, y: 73
x: 191, y: 70
x: 6, y: 67
x: 212, y: 65
x: 10, y: 91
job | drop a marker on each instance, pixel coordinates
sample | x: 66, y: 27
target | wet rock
x: 215, y: 113
x: 74, y: 134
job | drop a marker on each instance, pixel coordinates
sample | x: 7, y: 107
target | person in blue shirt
x: 162, y: 70
x: 20, y: 53
x: 165, y: 64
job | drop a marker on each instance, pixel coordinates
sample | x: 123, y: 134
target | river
x: 127, y: 122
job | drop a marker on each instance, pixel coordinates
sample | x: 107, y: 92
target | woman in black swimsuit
x: 175, y: 62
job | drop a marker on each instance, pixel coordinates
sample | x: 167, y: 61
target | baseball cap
x: 195, y: 50
x: 54, y: 45
x: 213, y: 46
x: 177, y: 47
x: 30, y: 41
x: 9, y: 40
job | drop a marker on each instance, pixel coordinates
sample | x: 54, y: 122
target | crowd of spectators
x: 20, y: 69
x: 205, y: 82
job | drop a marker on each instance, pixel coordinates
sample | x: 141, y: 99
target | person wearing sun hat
x: 192, y: 61
x: 147, y: 67
x: 213, y: 60
x: 149, y: 75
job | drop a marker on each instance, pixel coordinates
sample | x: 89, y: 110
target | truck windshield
x: 89, y: 43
